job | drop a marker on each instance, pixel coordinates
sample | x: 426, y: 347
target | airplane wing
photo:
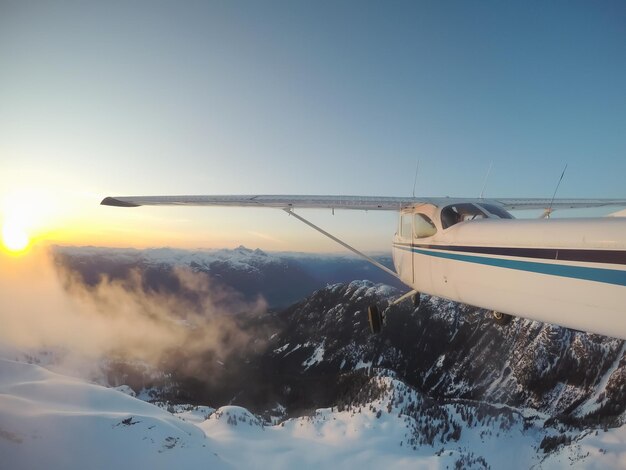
x: 281, y: 202
x: 347, y: 202
x: 537, y: 203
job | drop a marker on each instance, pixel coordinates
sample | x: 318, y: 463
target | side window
x: 449, y: 217
x: 423, y: 227
x: 497, y: 211
x: 460, y: 213
x: 406, y: 226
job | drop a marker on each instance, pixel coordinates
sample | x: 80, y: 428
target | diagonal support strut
x: 342, y: 243
x: 403, y: 298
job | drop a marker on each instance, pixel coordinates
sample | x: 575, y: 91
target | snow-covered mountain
x: 443, y: 385
x: 449, y: 350
x: 445, y: 349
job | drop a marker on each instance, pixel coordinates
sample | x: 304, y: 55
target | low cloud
x: 44, y: 305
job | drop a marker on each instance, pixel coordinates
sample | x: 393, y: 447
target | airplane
x: 570, y: 272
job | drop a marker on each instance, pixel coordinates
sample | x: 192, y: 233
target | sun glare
x: 14, y: 237
x: 24, y: 216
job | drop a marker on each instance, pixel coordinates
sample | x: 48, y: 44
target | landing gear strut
x: 375, y: 318
x: 501, y: 318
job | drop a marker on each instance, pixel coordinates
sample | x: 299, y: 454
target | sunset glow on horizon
x: 334, y: 110
x: 49, y: 215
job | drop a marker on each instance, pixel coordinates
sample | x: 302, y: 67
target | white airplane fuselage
x: 571, y: 272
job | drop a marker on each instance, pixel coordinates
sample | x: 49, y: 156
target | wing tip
x: 111, y: 201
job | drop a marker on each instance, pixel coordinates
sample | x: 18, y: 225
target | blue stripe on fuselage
x: 608, y: 276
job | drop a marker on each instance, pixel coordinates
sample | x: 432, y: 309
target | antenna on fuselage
x: 548, y: 211
x: 417, y: 167
x: 482, y: 192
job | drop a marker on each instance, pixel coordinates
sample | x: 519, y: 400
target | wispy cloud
x: 44, y: 305
x: 266, y: 236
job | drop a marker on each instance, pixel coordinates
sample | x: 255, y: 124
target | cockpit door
x: 424, y: 230
x: 404, y: 262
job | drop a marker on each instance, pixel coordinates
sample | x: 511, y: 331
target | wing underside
x: 348, y: 202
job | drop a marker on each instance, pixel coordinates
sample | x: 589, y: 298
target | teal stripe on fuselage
x: 608, y: 276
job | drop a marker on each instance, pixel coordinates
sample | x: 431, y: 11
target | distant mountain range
x: 280, y: 278
x: 445, y: 371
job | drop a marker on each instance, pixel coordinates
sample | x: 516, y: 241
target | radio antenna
x: 417, y: 167
x: 482, y: 192
x: 549, y: 209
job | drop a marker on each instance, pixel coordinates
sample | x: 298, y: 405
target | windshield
x: 423, y: 227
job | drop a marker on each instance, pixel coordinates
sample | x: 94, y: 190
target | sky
x: 152, y: 97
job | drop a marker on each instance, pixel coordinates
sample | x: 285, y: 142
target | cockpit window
x: 497, y: 211
x: 422, y: 226
x: 456, y: 213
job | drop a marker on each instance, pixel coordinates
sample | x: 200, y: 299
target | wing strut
x: 342, y: 243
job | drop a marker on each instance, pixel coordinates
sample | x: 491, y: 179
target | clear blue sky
x: 149, y: 97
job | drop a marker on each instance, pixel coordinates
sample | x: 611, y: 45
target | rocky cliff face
x: 448, y: 350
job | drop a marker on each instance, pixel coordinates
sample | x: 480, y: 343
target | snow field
x: 51, y: 421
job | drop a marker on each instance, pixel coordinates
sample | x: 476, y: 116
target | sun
x: 14, y: 237
x: 25, y: 214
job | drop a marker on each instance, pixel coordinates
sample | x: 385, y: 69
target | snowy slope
x: 596, y: 450
x: 378, y: 434
x: 51, y: 421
